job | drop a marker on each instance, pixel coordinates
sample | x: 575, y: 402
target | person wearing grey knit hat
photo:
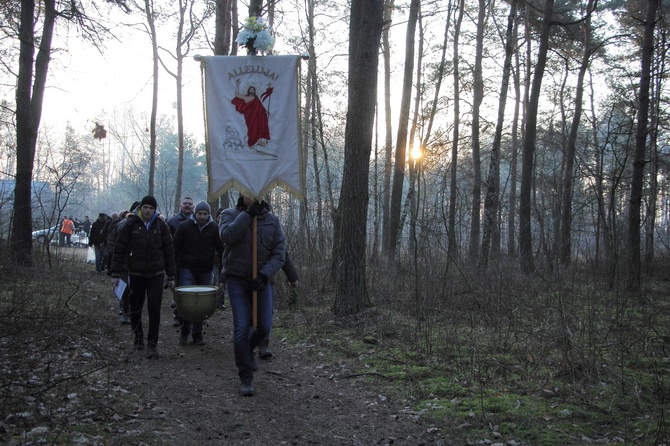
x: 203, y: 206
x: 196, y: 245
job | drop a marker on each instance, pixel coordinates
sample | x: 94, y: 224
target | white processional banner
x: 252, y: 124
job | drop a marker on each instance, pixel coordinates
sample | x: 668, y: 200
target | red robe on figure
x: 255, y: 117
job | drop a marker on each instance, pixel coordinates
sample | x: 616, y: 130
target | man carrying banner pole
x: 254, y: 150
x: 255, y: 247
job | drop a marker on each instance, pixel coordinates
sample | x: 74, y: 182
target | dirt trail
x: 189, y: 396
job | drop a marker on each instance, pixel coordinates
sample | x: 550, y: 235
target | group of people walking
x: 147, y: 253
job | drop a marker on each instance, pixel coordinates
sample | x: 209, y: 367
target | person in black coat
x: 144, y: 246
x: 97, y: 241
x: 196, y: 245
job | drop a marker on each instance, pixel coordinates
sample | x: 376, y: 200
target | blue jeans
x: 245, y: 338
x: 190, y: 277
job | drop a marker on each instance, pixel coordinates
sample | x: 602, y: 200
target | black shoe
x: 182, y: 340
x: 139, y: 345
x: 152, y: 353
x: 198, y: 341
x: 124, y: 320
x: 247, y: 389
x: 263, y: 352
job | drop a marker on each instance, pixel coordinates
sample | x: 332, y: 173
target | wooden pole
x: 254, y: 257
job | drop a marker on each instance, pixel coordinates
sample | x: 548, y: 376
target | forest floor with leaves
x: 483, y: 365
x: 71, y: 376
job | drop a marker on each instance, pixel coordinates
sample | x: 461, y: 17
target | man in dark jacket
x: 196, y: 246
x: 144, y: 246
x: 235, y: 228
x: 97, y: 241
x: 185, y: 212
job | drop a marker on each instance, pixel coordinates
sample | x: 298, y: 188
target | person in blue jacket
x: 235, y: 228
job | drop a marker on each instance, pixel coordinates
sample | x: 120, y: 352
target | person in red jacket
x: 66, y: 230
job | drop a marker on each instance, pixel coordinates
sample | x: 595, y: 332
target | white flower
x: 255, y: 35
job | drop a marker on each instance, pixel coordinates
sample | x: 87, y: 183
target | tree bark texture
x: 350, y: 239
x: 527, y: 162
x: 492, y: 200
x: 637, y: 179
x: 29, y: 100
x: 401, y: 139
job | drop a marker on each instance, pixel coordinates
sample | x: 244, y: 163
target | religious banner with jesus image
x: 252, y: 124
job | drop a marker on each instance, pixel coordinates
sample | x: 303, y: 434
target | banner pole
x: 254, y: 257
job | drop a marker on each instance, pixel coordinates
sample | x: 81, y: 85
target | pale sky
x: 84, y: 82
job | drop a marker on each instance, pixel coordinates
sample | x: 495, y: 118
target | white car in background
x: 42, y: 234
x: 53, y: 233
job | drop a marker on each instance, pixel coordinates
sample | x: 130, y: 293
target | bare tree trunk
x: 401, y: 139
x: 415, y: 158
x: 636, y: 183
x: 388, y: 145
x: 452, y: 249
x: 223, y: 27
x: 364, y: 39
x: 183, y: 4
x: 654, y: 162
x: 30, y: 87
x: 492, y: 200
x: 527, y: 162
x: 565, y: 244
x: 438, y: 77
x: 598, y: 174
x: 477, y: 97
x: 148, y: 4
x: 255, y: 8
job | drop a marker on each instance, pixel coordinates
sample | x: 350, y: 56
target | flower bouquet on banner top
x: 255, y: 36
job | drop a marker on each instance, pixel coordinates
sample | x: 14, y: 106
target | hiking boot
x: 152, y: 352
x: 246, y: 389
x: 263, y: 351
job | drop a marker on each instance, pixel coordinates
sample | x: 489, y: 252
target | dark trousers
x: 151, y: 290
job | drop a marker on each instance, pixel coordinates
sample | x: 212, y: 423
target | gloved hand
x: 254, y: 209
x: 258, y: 282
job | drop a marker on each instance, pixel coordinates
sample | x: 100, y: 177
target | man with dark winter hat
x: 196, y: 246
x: 151, y: 201
x: 144, y: 245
